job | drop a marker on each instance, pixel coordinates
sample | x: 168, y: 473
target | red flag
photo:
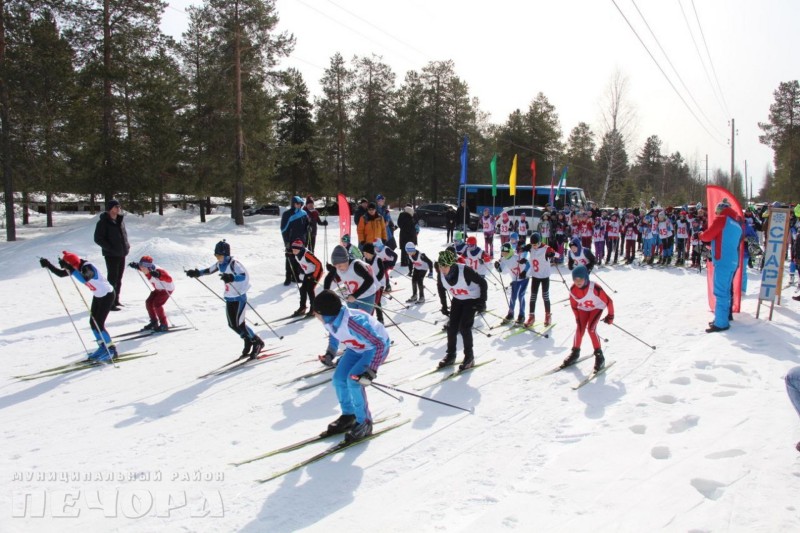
x: 714, y: 195
x: 533, y: 174
x: 344, y: 216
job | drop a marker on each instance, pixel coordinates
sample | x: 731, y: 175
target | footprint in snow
x: 706, y: 377
x: 709, y: 488
x: 725, y: 454
x: 666, y: 398
x: 682, y: 424
x: 660, y: 452
x: 724, y: 394
x: 639, y: 429
x: 681, y: 381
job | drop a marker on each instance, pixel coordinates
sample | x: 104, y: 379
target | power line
x: 699, y: 107
x: 710, y: 61
x: 702, y: 63
x: 665, y: 74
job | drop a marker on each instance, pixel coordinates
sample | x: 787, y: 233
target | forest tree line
x: 96, y: 100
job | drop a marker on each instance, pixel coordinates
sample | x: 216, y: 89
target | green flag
x: 493, y: 168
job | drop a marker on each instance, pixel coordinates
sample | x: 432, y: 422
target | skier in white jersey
x: 102, y: 298
x: 516, y: 265
x: 468, y: 291
x: 237, y: 282
x: 539, y: 274
x: 355, y: 276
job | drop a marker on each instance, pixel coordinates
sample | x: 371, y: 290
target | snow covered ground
x: 697, y: 435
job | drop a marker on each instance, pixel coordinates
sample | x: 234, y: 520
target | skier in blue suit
x: 725, y: 236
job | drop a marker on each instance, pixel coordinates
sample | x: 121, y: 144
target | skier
x: 309, y: 269
x: 352, y: 251
x: 612, y: 238
x: 599, y: 239
x: 588, y: 301
x: 578, y: 255
x: 539, y: 273
x: 163, y: 287
x: 476, y: 258
x: 522, y: 227
x: 516, y: 265
x: 667, y: 238
x: 420, y: 266
x: 631, y: 234
x: 367, y: 345
x: 487, y: 222
x: 682, y: 227
x: 102, y: 299
x: 389, y: 258
x: 468, y: 290
x: 355, y: 275
x: 505, y: 227
x: 237, y: 281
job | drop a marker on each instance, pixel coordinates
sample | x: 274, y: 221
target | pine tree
x: 782, y: 134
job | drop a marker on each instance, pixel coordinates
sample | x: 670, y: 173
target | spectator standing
x: 112, y: 237
x: 408, y: 232
x: 294, y: 226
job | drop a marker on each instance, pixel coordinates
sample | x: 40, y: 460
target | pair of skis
x: 245, y: 360
x: 334, y: 449
x: 444, y: 377
x: 148, y: 333
x: 537, y: 328
x: 83, y: 364
x: 594, y: 374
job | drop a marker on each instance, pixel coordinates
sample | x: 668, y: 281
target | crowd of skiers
x: 346, y: 289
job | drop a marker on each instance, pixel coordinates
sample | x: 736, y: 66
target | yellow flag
x: 512, y: 179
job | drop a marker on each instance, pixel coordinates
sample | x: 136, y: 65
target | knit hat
x: 410, y: 247
x: 506, y: 250
x: 368, y: 248
x: 327, y: 303
x: 514, y: 236
x: 447, y: 258
x: 346, y: 238
x: 723, y: 204
x: 112, y: 204
x: 309, y: 200
x: 222, y: 248
x: 409, y: 209
x: 576, y: 241
x: 378, y: 245
x: 372, y: 205
x: 146, y: 262
x: 298, y: 245
x: 536, y: 237
x: 339, y: 255
x: 380, y: 197
x: 458, y: 236
x: 580, y: 272
x: 472, y: 241
x: 72, y: 259
x: 297, y: 200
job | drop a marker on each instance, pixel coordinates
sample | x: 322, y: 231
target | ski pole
x: 380, y: 385
x: 218, y: 296
x: 423, y: 284
x: 171, y: 297
x: 68, y: 313
x: 562, y: 277
x: 603, y: 282
x: 386, y: 313
x: 387, y: 393
x: 280, y: 337
x: 634, y: 336
x: 508, y: 302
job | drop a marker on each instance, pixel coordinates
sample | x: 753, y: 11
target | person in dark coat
x: 294, y: 226
x: 314, y: 220
x: 408, y: 232
x: 462, y: 216
x: 450, y: 217
x: 112, y: 237
x: 361, y: 210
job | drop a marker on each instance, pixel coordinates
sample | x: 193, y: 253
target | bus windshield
x: 479, y: 197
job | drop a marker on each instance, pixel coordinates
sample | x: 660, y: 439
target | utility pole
x: 745, y: 184
x: 733, y: 149
x: 706, y: 170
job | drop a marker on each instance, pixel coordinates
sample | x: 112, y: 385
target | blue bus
x: 480, y: 196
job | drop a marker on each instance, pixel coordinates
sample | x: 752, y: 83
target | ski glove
x: 430, y: 274
x: 155, y: 274
x: 323, y: 222
x: 523, y: 261
x: 480, y: 306
x: 45, y: 263
x: 445, y: 311
x: 330, y: 268
x: 133, y: 264
x: 227, y: 278
x: 497, y: 266
x: 63, y: 264
x: 609, y: 319
x: 526, y: 248
x: 365, y: 378
x: 193, y: 273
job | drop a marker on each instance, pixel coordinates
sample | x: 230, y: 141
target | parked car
x: 532, y: 214
x: 435, y: 215
x: 268, y: 209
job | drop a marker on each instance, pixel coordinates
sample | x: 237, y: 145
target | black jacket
x: 408, y: 230
x: 111, y: 236
x: 294, y: 226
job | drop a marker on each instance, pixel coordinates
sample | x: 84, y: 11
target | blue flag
x: 464, y: 160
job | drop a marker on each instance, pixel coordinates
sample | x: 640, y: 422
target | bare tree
x: 618, y: 123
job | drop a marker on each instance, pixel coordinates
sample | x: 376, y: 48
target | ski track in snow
x: 696, y: 435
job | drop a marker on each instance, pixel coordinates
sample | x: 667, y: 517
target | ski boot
x: 468, y: 362
x: 258, y: 345
x: 530, y: 321
x: 341, y: 424
x: 412, y: 300
x: 449, y: 360
x: 359, y: 431
x: 300, y: 311
x: 151, y: 326
x: 548, y: 319
x: 248, y: 346
x: 388, y: 288
x: 421, y: 300
x: 521, y: 320
x: 572, y: 358
x: 509, y: 318
x: 599, y: 360
x: 327, y: 359
x: 162, y: 328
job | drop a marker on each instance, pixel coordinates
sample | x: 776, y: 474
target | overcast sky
x: 508, y: 51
